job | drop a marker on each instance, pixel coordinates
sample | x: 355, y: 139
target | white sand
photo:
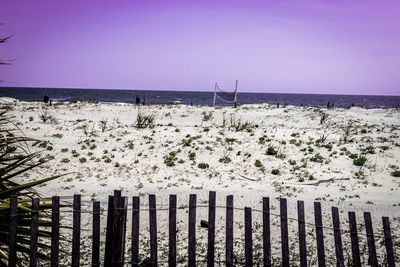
x: 141, y: 168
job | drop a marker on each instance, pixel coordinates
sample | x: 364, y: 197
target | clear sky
x: 313, y: 46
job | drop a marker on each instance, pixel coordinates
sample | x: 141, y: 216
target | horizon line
x: 175, y: 90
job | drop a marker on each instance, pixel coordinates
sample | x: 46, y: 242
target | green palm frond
x: 16, y: 160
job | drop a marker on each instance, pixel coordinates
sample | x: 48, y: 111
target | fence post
x: 229, y: 231
x: 370, y: 239
x: 284, y: 233
x: 192, y: 231
x: 135, y: 230
x: 55, y: 230
x: 153, y: 229
x: 109, y: 233
x: 248, y: 238
x: 355, y: 249
x: 266, y: 232
x: 34, y: 232
x: 211, y: 229
x: 388, y: 242
x: 76, y: 231
x: 123, y: 230
x: 117, y: 227
x: 319, y: 234
x: 172, y: 231
x: 12, y: 249
x: 302, y: 233
x: 96, y: 234
x: 338, y: 237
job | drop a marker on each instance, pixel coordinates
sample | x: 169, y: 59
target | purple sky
x: 350, y: 47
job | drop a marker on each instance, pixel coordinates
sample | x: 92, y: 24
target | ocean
x: 197, y: 98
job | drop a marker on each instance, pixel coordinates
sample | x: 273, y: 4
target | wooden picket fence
x: 117, y: 214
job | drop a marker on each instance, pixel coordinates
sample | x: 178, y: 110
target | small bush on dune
x: 271, y: 151
x: 359, y: 161
x: 203, y: 165
x: 144, y: 120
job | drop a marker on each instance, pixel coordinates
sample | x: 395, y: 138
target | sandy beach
x: 342, y: 157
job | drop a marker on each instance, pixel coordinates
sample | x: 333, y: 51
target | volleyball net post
x: 225, y: 97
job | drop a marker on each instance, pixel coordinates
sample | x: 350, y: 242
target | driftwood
x: 325, y: 181
x: 248, y: 178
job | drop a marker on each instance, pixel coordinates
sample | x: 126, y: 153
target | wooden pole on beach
x: 236, y: 87
x: 215, y: 94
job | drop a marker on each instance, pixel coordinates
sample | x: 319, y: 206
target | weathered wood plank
x: 76, y: 231
x: 229, y: 232
x: 192, y: 231
x: 108, y: 252
x: 211, y: 229
x: 355, y: 248
x: 266, y: 232
x: 284, y: 232
x: 12, y: 248
x: 338, y: 237
x: 302, y: 233
x: 55, y: 230
x: 117, y: 225
x: 96, y: 234
x: 34, y: 232
x: 319, y: 234
x: 172, y: 231
x: 388, y: 242
x: 153, y: 229
x: 370, y: 240
x: 248, y: 237
x: 135, y: 230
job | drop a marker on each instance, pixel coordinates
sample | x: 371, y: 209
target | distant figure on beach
x: 277, y: 105
x: 46, y: 99
x: 137, y: 100
x: 328, y: 106
x: 144, y: 101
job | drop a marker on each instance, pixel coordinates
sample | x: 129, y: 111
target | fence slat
x: 302, y: 233
x: 12, y: 248
x: 117, y: 226
x: 34, y: 232
x: 123, y: 230
x: 192, y: 231
x: 248, y: 237
x: 284, y: 232
x: 153, y: 229
x: 211, y: 229
x: 319, y: 234
x: 172, y: 231
x: 229, y: 231
x: 135, y: 230
x: 355, y: 249
x: 96, y: 234
x: 370, y: 239
x: 388, y: 242
x: 76, y: 231
x: 55, y: 230
x: 266, y: 232
x: 338, y: 237
x: 109, y: 233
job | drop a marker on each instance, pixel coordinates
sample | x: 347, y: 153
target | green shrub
x: 276, y: 171
x: 271, y: 151
x: 203, y: 165
x: 395, y: 173
x: 225, y: 159
x: 258, y: 163
x: 360, y: 160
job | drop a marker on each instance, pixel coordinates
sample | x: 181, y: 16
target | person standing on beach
x: 137, y: 100
x: 46, y: 99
